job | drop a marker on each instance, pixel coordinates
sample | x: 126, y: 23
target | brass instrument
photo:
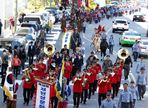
x: 27, y: 75
x: 49, y: 50
x: 123, y: 53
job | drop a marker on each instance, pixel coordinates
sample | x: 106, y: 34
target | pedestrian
x: 140, y: 64
x: 134, y: 92
x: 27, y: 85
x: 65, y: 51
x: 111, y: 44
x: 103, y: 48
x: 84, y: 26
x: 63, y: 23
x: 85, y: 85
x: 102, y: 89
x: 136, y: 49
x: 108, y: 102
x: 31, y: 52
x: 125, y: 97
x: 141, y: 83
x: 22, y: 56
x: 16, y: 62
x: 127, y: 64
x: 1, y: 25
x: 77, y: 89
x: 78, y: 62
x: 107, y: 63
x: 4, y: 64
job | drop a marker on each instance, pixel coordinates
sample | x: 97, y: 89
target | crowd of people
x: 86, y: 79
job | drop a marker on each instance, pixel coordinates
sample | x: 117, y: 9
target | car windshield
x: 32, y: 19
x: 145, y: 43
x: 29, y: 37
x: 132, y: 34
x: 23, y: 31
x: 119, y: 21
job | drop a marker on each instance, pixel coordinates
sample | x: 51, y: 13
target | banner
x: 66, y: 39
x: 42, y: 95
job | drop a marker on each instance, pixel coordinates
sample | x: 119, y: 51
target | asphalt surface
x: 86, y: 38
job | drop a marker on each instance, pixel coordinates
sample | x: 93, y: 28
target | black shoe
x: 24, y: 103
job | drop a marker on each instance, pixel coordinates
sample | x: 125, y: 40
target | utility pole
x: 16, y: 15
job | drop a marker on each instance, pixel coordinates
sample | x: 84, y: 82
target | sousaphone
x: 123, y: 53
x: 49, y: 50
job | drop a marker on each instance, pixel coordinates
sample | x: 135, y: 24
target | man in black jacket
x: 31, y: 52
x: 22, y: 56
x: 127, y: 64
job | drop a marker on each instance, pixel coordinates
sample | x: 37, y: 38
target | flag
x: 61, y: 73
x: 8, y: 85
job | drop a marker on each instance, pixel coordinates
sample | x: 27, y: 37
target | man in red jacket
x: 77, y: 89
x: 27, y: 85
x: 67, y: 70
x: 91, y: 71
x: 85, y: 84
x: 102, y: 89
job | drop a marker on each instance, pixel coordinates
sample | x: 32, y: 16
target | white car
x: 120, y: 25
x: 143, y: 47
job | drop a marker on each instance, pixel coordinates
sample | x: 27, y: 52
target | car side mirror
x: 113, y: 21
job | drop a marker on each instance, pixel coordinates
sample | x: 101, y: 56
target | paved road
x: 140, y: 27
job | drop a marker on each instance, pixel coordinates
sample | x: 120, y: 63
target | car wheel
x: 113, y: 31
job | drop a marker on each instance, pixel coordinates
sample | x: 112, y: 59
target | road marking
x: 108, y: 30
x: 86, y: 38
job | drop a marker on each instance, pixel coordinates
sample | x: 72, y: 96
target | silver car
x: 143, y: 47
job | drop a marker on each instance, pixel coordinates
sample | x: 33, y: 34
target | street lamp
x: 16, y: 14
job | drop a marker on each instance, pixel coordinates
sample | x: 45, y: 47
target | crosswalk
x: 51, y: 38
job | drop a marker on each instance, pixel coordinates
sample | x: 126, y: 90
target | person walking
x: 1, y: 25
x: 27, y: 85
x: 16, y: 62
x: 84, y: 26
x: 136, y: 49
x: 22, y: 56
x: 127, y: 64
x: 4, y: 63
x: 108, y: 102
x: 111, y: 44
x: 141, y: 83
x: 107, y: 63
x: 125, y: 97
x: 31, y: 52
x: 140, y: 64
x: 77, y: 89
x: 97, y: 41
x: 134, y: 92
x: 103, y: 48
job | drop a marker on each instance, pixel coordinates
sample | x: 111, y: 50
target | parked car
x: 139, y: 17
x: 120, y: 25
x: 35, y: 18
x: 143, y: 47
x: 129, y: 37
x: 33, y: 25
x: 20, y: 37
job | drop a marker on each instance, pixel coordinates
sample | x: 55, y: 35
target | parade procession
x: 74, y: 54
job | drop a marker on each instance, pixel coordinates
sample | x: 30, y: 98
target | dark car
x: 139, y: 18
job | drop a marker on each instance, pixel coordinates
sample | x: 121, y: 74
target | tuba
x: 123, y: 53
x: 49, y: 50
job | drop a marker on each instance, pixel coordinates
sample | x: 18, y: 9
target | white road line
x: 85, y: 37
x: 108, y: 30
